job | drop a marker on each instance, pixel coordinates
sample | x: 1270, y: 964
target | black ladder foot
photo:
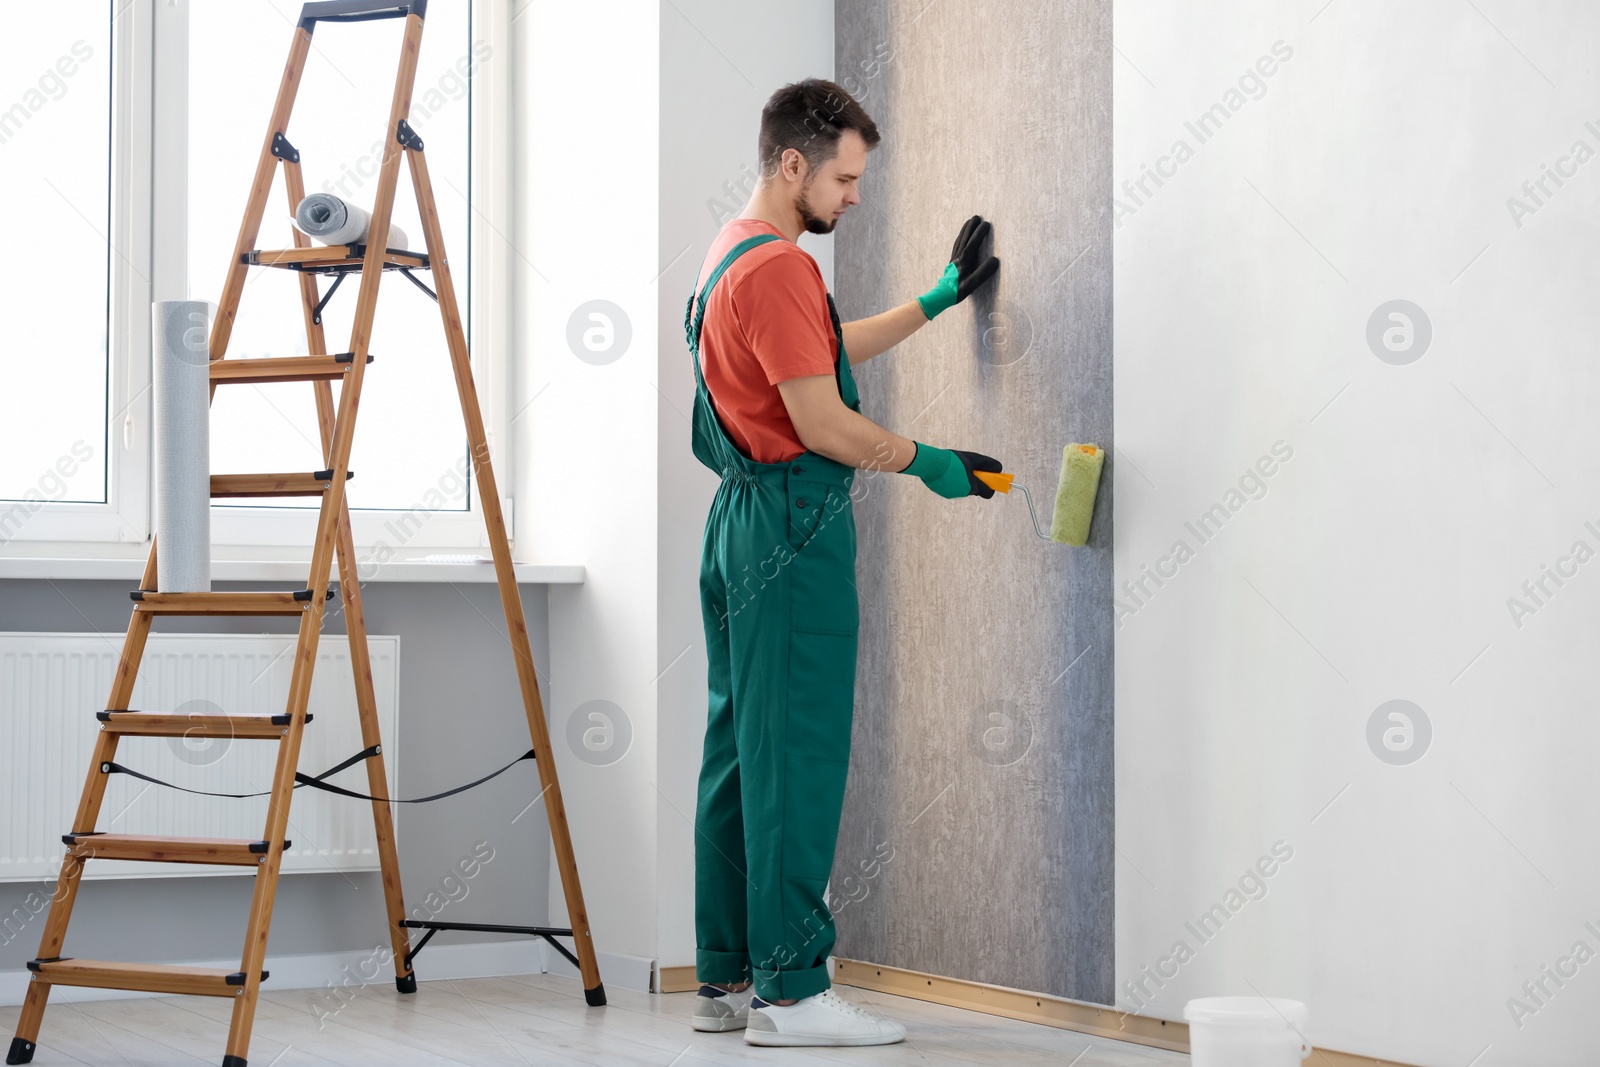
x: 595, y: 996
x: 233, y: 1061
x: 407, y: 984
x: 21, y: 1051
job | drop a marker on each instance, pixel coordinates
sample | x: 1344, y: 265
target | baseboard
x: 616, y: 970
x: 1094, y: 1019
x: 346, y: 970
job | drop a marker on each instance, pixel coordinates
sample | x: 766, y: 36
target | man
x: 777, y: 415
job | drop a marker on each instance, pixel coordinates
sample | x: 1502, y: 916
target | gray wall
x: 977, y: 836
x: 460, y: 715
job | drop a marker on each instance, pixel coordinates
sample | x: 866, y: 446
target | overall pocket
x: 822, y: 574
x: 822, y: 693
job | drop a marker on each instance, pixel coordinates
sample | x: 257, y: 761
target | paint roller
x: 1075, y: 493
x: 332, y: 221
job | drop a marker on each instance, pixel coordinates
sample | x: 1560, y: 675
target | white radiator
x: 51, y: 685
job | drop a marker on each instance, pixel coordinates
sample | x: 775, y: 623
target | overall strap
x: 697, y: 309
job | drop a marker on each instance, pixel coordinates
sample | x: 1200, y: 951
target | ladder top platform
x: 333, y: 259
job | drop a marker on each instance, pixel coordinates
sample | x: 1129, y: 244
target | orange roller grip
x: 1000, y: 482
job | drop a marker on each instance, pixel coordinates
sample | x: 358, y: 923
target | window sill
x: 277, y: 570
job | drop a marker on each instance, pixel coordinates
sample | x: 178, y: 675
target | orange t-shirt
x: 766, y: 322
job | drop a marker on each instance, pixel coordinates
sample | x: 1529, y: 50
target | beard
x: 813, y: 223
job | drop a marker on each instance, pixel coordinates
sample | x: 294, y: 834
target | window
x: 55, y: 151
x: 213, y: 71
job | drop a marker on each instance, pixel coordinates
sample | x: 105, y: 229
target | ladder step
x: 152, y: 602
x: 282, y: 369
x: 150, y: 977
x: 158, y: 724
x: 312, y: 483
x: 332, y: 259
x: 227, y: 852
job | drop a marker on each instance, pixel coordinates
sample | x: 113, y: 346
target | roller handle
x: 999, y: 481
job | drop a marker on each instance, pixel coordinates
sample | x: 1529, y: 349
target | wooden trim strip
x: 676, y: 979
x: 1094, y: 1019
x: 1060, y: 1012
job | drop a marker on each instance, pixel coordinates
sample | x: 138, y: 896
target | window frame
x: 149, y: 167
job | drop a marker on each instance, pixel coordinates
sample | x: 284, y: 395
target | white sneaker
x: 823, y: 1019
x: 717, y: 1010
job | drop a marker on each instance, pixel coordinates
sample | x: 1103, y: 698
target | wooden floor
x: 527, y: 1021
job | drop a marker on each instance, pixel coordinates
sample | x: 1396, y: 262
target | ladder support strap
x: 420, y: 284
x: 317, y: 782
x: 316, y: 313
x: 549, y: 933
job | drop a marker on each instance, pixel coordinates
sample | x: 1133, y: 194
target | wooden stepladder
x: 333, y: 539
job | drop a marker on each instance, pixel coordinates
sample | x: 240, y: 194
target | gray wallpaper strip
x: 978, y: 825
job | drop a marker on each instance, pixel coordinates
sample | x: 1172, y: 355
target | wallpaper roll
x: 182, y: 378
x: 326, y: 218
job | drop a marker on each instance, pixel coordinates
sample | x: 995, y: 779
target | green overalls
x: 778, y: 598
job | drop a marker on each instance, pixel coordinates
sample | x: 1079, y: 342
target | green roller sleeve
x: 1075, y: 493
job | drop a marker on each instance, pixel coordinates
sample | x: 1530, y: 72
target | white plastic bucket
x: 1246, y: 1032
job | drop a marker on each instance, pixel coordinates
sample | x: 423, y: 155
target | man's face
x: 827, y: 192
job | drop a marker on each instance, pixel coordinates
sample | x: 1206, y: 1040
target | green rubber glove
x: 966, y: 272
x: 948, y: 471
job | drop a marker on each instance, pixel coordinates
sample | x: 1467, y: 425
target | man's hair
x: 810, y: 116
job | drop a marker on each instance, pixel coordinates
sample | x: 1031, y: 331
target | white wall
x: 630, y: 117
x: 1378, y: 560
x: 721, y: 59
x: 584, y: 116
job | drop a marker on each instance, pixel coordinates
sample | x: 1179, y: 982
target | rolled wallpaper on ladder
x: 182, y: 376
